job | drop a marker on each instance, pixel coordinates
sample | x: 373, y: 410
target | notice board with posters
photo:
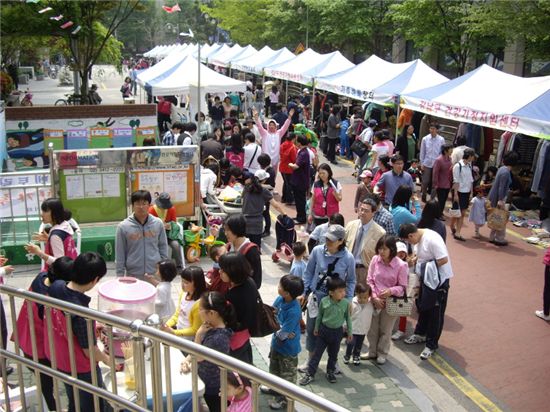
x: 96, y: 184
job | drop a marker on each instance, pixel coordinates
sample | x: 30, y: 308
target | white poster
x: 175, y: 183
x: 75, y: 187
x: 152, y: 182
x: 92, y: 185
x: 111, y: 185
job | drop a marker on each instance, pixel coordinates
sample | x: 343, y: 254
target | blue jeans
x: 329, y: 339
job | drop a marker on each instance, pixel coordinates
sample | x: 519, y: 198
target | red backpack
x: 164, y: 107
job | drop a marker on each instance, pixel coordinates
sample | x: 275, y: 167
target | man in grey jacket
x: 140, y: 240
x: 499, y: 193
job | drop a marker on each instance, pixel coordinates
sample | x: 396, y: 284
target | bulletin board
x: 94, y: 194
x: 179, y: 183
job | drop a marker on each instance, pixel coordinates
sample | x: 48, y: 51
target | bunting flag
x: 172, y: 9
x: 66, y: 25
x: 57, y: 18
x: 45, y: 10
x: 76, y: 30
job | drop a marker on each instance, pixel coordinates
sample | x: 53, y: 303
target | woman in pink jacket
x: 271, y: 138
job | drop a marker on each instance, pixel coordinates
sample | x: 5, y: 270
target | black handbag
x: 266, y: 320
x: 359, y: 148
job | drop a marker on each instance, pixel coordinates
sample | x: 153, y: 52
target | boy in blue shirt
x: 285, y: 344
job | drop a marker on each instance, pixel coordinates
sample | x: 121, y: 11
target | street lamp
x: 191, y: 35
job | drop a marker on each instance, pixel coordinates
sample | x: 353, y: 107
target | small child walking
x: 164, y: 304
x: 361, y: 316
x: 478, y: 211
x: 299, y: 262
x: 239, y: 393
x: 333, y: 312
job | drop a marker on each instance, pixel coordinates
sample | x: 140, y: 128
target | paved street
x: 493, y: 351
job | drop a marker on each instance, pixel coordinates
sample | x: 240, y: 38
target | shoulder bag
x: 266, y: 320
x: 359, y: 148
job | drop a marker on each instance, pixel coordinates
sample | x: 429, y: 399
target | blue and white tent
x: 490, y: 98
x: 380, y: 81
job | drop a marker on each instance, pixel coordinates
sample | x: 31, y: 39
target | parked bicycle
x: 70, y: 99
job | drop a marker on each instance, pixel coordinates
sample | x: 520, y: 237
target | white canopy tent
x: 263, y: 58
x: 309, y: 65
x: 161, y: 67
x: 490, y: 98
x: 227, y: 58
x: 360, y: 81
x: 213, y: 53
x: 183, y: 78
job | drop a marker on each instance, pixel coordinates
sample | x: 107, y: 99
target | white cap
x: 401, y: 247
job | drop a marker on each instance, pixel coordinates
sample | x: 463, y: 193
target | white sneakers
x: 397, y: 335
x: 426, y: 353
x: 540, y: 314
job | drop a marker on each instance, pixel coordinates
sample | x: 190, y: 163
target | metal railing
x: 145, y: 337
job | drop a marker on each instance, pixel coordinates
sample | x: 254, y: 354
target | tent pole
x: 313, y: 105
x: 286, y: 92
x: 198, y: 93
x: 397, y: 120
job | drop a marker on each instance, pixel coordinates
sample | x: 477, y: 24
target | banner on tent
x: 467, y: 115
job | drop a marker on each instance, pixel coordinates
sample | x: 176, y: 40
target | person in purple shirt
x: 300, y: 178
x: 391, y: 180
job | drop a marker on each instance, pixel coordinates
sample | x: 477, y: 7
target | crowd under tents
x: 490, y: 98
x: 485, y: 96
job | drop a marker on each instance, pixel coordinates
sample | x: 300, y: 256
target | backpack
x: 236, y: 159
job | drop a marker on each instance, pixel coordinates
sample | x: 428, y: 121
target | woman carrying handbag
x: 387, y: 277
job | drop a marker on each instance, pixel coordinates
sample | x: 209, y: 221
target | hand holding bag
x: 497, y: 219
x: 454, y: 210
x: 399, y: 306
x: 266, y: 320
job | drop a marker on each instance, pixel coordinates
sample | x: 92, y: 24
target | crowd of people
x: 344, y: 278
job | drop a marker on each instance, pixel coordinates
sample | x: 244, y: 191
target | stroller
x: 285, y: 234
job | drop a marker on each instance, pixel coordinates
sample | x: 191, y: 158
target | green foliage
x: 354, y: 27
x: 527, y: 20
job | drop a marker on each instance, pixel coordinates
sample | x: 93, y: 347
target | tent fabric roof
x: 263, y: 58
x: 181, y: 77
x: 489, y: 97
x: 227, y: 58
x: 360, y: 81
x: 161, y: 67
x: 308, y: 65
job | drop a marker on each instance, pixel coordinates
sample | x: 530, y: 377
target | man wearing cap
x: 140, y: 239
x: 271, y: 138
x: 429, y: 248
x: 361, y: 237
x: 430, y: 149
x: 392, y: 179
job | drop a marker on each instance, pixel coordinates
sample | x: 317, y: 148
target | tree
x: 527, y: 20
x: 351, y: 26
x: 98, y: 21
x: 440, y: 26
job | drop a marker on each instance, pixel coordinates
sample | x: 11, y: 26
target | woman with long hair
x: 60, y: 239
x: 407, y: 144
x: 405, y: 207
x: 431, y: 219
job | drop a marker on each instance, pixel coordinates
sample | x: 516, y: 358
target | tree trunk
x: 84, y: 85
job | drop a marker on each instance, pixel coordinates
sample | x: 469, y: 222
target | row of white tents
x: 485, y: 96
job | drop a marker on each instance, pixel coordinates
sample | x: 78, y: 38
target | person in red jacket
x: 288, y: 155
